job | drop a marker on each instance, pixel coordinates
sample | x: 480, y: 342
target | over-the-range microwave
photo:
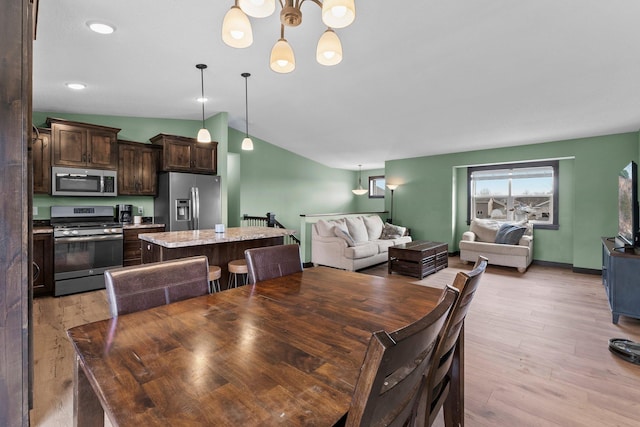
x: 83, y: 182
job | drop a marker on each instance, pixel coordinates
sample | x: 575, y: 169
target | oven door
x: 80, y: 262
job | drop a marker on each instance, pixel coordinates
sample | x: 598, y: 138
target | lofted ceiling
x: 429, y: 77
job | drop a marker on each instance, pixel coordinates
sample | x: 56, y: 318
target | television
x: 628, y: 212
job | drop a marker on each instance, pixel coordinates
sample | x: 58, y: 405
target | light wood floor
x: 536, y: 351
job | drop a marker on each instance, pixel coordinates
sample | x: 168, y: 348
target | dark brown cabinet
x: 132, y: 245
x: 43, y: 259
x: 41, y: 157
x: 83, y: 145
x: 620, y: 280
x: 137, y: 168
x: 182, y: 154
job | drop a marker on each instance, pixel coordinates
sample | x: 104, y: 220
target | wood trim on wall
x: 15, y: 129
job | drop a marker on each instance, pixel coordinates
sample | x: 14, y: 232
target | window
x: 515, y: 192
x: 376, y: 187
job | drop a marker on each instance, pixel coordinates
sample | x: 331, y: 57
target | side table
x: 419, y: 258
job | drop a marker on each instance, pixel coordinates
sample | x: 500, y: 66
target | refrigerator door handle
x: 192, y: 214
x: 197, y: 210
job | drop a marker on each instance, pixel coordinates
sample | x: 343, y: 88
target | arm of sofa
x: 327, y: 250
x: 469, y: 236
x: 526, y: 241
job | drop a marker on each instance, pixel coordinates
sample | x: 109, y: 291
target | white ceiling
x: 431, y: 77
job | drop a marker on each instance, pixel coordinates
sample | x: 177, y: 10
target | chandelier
x: 236, y: 28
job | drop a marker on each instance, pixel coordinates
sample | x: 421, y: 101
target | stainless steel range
x: 87, y: 241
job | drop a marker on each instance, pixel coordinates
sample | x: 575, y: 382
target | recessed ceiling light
x: 101, y: 27
x: 76, y: 86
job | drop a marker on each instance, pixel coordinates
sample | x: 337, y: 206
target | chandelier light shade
x: 338, y: 13
x: 329, y: 50
x: 236, y: 28
x: 247, y: 143
x: 203, y: 134
x: 282, y: 59
x: 359, y: 191
x: 258, y: 8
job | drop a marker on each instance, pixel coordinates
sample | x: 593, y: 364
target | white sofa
x: 481, y: 240
x: 353, y: 243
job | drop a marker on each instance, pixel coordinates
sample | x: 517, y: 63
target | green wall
x: 432, y: 196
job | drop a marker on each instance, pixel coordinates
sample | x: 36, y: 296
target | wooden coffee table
x: 419, y: 258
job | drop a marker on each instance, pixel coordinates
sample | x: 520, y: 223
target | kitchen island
x: 220, y: 248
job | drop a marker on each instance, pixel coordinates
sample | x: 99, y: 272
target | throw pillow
x: 391, y: 231
x: 485, y: 229
x: 374, y: 226
x: 510, y: 234
x: 324, y: 228
x: 357, y: 229
x: 344, y: 235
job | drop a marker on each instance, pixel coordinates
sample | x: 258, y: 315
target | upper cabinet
x: 137, y: 168
x: 182, y: 154
x: 41, y: 158
x: 83, y: 145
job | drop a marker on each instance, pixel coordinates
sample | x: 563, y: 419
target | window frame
x: 555, y: 164
x: 372, y: 182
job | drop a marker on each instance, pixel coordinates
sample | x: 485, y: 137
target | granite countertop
x: 42, y: 229
x: 181, y: 239
x: 143, y: 225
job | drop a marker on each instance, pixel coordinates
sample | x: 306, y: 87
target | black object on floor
x: 625, y: 349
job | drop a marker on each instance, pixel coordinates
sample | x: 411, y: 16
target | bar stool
x: 215, y: 273
x: 236, y: 267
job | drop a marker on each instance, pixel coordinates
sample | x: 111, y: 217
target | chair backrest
x: 439, y: 379
x: 390, y: 388
x: 145, y: 286
x: 272, y: 261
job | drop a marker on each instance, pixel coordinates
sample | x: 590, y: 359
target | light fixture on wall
x: 391, y: 187
x: 203, y: 134
x: 237, y: 32
x: 359, y: 191
x: 247, y: 143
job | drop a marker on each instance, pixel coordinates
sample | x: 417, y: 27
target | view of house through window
x: 376, y: 186
x: 515, y: 192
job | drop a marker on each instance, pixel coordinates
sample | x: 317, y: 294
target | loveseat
x: 354, y: 242
x: 503, y: 243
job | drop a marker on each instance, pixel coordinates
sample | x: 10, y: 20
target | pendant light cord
x: 202, y: 92
x: 246, y: 103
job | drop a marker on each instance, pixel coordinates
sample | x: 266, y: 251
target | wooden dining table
x: 285, y: 351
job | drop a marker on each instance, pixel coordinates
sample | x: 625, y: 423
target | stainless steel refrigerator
x: 187, y: 201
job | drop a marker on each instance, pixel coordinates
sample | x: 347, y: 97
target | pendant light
x: 203, y: 134
x: 359, y: 191
x: 247, y: 144
x: 329, y: 51
x: 282, y: 59
x: 236, y: 28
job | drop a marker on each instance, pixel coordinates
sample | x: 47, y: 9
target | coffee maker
x: 124, y: 213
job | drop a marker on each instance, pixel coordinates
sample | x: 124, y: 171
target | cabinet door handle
x: 84, y: 157
x: 89, y: 158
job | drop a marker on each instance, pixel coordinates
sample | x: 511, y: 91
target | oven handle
x: 87, y: 238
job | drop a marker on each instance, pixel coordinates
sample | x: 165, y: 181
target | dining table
x: 285, y: 351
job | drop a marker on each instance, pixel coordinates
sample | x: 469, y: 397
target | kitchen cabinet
x: 41, y: 158
x: 182, y: 154
x: 43, y: 258
x: 137, y: 168
x: 83, y: 145
x: 132, y: 244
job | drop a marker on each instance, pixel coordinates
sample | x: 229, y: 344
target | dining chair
x: 390, y: 388
x: 272, y: 261
x: 439, y: 379
x: 140, y: 287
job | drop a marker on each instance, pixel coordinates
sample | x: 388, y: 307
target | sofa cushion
x: 357, y: 229
x: 361, y: 250
x: 374, y: 226
x: 324, y: 228
x: 510, y: 234
x: 391, y: 231
x: 340, y: 231
x: 485, y: 229
x: 385, y: 244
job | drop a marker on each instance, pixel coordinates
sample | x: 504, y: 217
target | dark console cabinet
x: 621, y: 280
